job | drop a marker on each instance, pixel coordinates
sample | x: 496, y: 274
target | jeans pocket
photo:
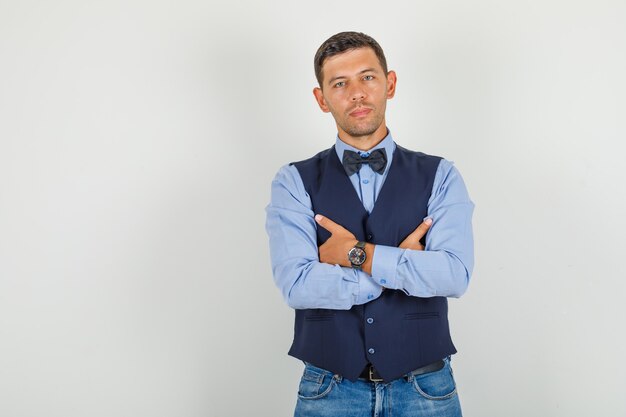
x: 438, y: 385
x: 315, y: 383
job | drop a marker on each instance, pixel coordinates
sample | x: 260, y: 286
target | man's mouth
x: 361, y: 111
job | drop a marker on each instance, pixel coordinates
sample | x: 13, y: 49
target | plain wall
x: 138, y: 140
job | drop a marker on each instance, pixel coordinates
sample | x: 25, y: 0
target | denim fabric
x: 322, y: 394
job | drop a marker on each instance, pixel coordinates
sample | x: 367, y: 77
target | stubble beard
x: 358, y: 129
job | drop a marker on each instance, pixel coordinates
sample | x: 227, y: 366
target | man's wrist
x: 369, y: 251
x: 356, y: 254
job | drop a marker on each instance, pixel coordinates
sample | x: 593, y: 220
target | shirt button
x: 371, y: 351
x: 366, y: 181
x: 370, y: 296
x: 383, y: 281
x: 370, y: 320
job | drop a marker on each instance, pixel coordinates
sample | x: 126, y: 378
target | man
x: 347, y: 232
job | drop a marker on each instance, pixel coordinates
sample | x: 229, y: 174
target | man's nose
x: 357, y: 93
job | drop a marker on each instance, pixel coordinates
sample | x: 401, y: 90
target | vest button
x: 369, y: 236
x: 370, y: 320
x: 371, y: 351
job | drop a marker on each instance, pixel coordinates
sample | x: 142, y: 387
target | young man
x: 349, y: 252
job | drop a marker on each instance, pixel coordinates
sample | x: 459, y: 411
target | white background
x: 138, y: 140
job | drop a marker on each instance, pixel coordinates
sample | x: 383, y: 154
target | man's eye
x: 340, y: 84
x: 368, y: 77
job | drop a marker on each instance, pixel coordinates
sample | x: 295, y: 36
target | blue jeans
x: 322, y: 394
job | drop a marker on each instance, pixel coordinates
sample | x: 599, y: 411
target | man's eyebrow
x: 343, y: 76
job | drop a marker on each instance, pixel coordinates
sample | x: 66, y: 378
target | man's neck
x: 365, y: 143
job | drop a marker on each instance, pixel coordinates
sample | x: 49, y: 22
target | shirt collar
x: 387, y: 143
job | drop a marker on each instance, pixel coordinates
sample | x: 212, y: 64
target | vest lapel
x: 396, y: 199
x: 341, y: 200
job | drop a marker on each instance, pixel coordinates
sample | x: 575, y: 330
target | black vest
x: 406, y: 332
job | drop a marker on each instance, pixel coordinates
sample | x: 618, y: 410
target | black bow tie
x: 352, y: 161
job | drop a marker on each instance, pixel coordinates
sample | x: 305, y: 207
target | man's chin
x: 365, y: 131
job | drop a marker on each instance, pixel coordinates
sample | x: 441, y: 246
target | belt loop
x: 409, y: 377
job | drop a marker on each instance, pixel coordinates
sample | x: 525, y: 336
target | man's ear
x: 392, y: 79
x: 319, y: 97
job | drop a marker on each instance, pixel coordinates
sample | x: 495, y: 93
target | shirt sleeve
x: 304, y: 281
x: 445, y: 266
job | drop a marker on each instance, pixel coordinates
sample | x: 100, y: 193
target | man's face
x: 355, y: 90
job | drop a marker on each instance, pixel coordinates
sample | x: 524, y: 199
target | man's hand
x: 412, y: 241
x: 335, y: 250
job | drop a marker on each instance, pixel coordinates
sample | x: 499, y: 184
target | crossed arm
x: 335, y: 250
x: 312, y: 277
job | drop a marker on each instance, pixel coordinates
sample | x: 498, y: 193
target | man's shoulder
x: 421, y: 159
x: 315, y: 159
x: 416, y: 154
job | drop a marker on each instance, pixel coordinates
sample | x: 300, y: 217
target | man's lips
x: 361, y: 111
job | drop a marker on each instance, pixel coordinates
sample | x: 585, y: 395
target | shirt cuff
x: 385, y: 266
x: 368, y: 289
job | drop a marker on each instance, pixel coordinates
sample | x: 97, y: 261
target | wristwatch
x: 357, y: 255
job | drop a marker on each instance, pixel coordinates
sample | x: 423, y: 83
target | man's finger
x: 421, y: 230
x: 409, y: 244
x: 328, y: 224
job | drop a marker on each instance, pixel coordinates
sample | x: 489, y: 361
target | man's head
x: 354, y: 85
x: 342, y: 42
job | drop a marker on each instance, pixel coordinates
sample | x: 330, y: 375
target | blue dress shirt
x: 443, y: 269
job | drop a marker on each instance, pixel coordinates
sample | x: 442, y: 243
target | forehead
x: 350, y: 62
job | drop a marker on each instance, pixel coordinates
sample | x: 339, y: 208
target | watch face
x: 356, y: 256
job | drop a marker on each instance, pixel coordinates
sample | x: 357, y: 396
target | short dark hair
x: 342, y: 42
